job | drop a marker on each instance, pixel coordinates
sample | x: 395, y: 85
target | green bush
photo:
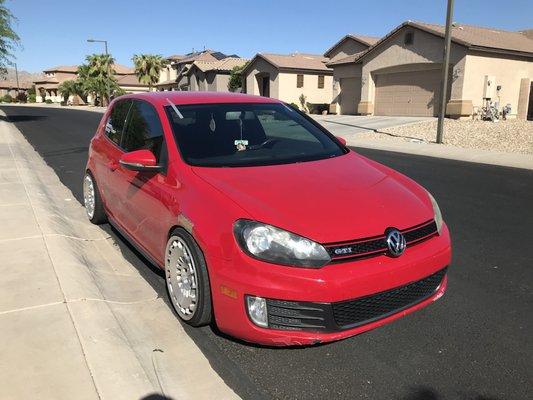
x: 7, y: 99
x: 294, y: 105
x: 32, y: 98
x: 317, y: 108
x: 48, y: 101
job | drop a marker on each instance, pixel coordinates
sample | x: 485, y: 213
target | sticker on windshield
x: 212, y: 124
x: 241, y: 144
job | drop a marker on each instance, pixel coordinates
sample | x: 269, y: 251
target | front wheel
x: 92, y: 201
x: 187, y: 279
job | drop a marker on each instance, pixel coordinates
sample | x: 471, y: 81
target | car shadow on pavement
x: 156, y: 396
x: 427, y: 393
x: 22, y: 118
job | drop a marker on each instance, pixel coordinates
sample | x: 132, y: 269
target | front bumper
x: 309, y: 306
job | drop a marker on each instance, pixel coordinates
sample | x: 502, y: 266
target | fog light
x: 257, y: 310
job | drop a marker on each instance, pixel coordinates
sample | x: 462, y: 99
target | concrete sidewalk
x: 77, y: 320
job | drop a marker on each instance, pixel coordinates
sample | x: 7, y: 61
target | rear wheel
x: 187, y: 279
x: 92, y: 200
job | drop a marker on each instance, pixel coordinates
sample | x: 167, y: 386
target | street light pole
x: 17, y: 77
x: 445, y: 68
x: 108, y: 90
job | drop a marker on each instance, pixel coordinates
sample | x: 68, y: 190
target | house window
x: 321, y: 81
x: 299, y: 81
x: 408, y: 38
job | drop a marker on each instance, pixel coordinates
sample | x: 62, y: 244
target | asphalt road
x: 474, y: 343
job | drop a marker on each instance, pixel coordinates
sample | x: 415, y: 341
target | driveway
x: 348, y: 125
x: 474, y: 343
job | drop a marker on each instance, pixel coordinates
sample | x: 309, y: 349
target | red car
x: 262, y: 220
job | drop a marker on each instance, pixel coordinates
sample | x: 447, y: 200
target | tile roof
x: 13, y: 85
x: 482, y: 37
x: 119, y: 69
x: 129, y: 80
x: 226, y: 64
x: 473, y: 37
x: 301, y: 61
x: 366, y: 40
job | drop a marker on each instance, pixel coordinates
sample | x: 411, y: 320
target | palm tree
x: 101, y: 79
x: 69, y: 88
x: 148, y: 68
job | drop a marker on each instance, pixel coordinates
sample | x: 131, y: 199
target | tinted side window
x: 116, y: 121
x: 144, y: 130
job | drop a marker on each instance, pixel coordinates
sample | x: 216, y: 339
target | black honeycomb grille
x: 367, y: 309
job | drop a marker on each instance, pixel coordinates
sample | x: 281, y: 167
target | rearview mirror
x: 342, y: 140
x: 140, y: 160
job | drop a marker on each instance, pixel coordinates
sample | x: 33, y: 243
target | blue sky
x: 54, y: 32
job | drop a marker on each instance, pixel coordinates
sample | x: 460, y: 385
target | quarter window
x: 299, y: 81
x: 321, y: 81
x: 116, y: 121
x: 144, y: 131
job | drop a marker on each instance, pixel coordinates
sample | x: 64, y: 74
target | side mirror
x: 140, y: 160
x: 342, y: 140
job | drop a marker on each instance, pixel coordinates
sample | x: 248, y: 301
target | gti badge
x: 395, y: 242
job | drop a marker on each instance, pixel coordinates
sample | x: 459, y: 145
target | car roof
x: 185, y: 97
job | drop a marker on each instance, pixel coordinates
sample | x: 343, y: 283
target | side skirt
x: 134, y: 243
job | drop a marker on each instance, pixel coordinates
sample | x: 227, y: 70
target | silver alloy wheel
x: 181, y: 277
x: 89, y: 195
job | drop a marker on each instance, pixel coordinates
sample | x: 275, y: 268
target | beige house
x: 47, y: 87
x: 401, y: 73
x: 287, y: 77
x: 176, y: 75
x: 213, y: 75
x: 347, y: 81
x: 11, y: 88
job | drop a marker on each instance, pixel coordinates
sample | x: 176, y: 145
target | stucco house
x: 401, y: 73
x: 288, y: 76
x: 47, y: 87
x: 213, y: 75
x: 11, y: 88
x: 347, y: 81
x: 176, y: 75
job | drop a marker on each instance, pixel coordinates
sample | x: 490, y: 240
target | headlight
x: 436, y: 212
x: 275, y: 245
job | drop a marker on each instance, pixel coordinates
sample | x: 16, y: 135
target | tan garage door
x: 414, y: 93
x: 350, y: 95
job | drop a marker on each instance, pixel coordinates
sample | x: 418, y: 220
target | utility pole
x: 445, y: 68
x: 108, y: 90
x: 17, y: 77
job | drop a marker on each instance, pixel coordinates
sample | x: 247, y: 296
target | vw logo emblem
x: 395, y: 242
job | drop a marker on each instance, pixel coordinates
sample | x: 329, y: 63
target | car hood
x: 333, y: 200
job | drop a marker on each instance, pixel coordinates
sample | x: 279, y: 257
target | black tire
x: 98, y: 215
x: 202, y: 314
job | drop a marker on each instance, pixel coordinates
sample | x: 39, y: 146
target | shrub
x: 22, y: 97
x: 32, y: 98
x: 294, y: 105
x: 317, y: 108
x: 7, y: 99
x: 48, y: 101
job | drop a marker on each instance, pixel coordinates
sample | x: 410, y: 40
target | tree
x: 148, y: 68
x: 9, y: 40
x: 97, y: 77
x: 69, y: 88
x: 235, y: 78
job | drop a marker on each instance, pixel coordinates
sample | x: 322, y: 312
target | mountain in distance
x: 24, y: 76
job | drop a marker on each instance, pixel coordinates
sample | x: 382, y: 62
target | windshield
x: 231, y: 135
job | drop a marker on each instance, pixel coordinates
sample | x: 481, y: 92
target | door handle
x: 112, y: 165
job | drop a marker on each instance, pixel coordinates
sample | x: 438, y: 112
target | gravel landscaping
x: 511, y: 136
